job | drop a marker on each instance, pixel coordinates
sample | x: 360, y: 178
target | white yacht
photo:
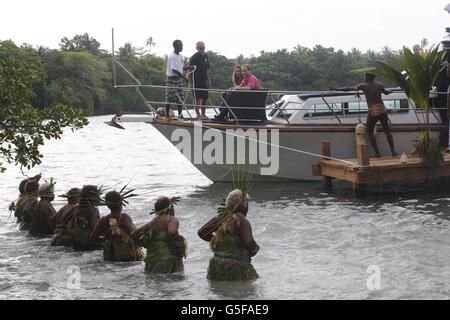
x: 281, y: 141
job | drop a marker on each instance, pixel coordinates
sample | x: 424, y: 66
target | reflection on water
x: 313, y: 244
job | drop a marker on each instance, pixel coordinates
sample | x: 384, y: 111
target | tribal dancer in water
x: 18, y: 206
x: 41, y: 225
x: 115, y: 230
x: 84, y: 219
x: 165, y: 247
x: 231, y: 239
x: 60, y: 220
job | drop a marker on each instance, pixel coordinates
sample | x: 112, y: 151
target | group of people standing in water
x: 78, y: 225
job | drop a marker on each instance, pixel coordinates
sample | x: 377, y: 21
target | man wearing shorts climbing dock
x: 377, y: 110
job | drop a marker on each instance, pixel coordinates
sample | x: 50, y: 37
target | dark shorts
x: 382, y: 117
x: 174, y: 90
x: 372, y: 121
x: 200, y: 94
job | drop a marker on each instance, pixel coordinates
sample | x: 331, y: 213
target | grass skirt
x: 122, y: 250
x: 170, y: 265
x: 61, y: 237
x: 221, y: 269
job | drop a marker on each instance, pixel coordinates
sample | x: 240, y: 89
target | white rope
x: 193, y: 83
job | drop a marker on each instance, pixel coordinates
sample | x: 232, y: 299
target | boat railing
x: 228, y: 107
x: 212, y: 106
x: 270, y: 94
x: 332, y: 110
x: 281, y: 111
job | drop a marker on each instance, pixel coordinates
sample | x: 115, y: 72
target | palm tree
x: 423, y: 43
x: 417, y: 77
x: 128, y: 52
x: 150, y: 43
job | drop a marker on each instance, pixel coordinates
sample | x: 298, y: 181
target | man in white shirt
x: 174, y: 72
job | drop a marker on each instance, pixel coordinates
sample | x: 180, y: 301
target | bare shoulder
x: 379, y: 84
x: 125, y: 217
x: 172, y: 219
x: 243, y: 221
x: 361, y: 86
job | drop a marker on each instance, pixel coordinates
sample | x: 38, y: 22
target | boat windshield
x: 289, y: 109
x: 272, y: 108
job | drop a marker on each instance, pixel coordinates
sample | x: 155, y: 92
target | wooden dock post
x: 362, y: 155
x: 359, y: 189
x: 325, y: 148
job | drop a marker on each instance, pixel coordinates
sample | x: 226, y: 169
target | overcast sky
x: 230, y: 27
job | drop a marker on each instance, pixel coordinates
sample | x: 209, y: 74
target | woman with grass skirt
x: 231, y: 239
x: 44, y: 210
x: 40, y: 216
x: 18, y: 206
x: 165, y: 247
x: 114, y: 231
x: 84, y: 219
x: 28, y: 202
x: 61, y: 236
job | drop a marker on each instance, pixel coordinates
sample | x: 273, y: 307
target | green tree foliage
x: 79, y: 74
x: 128, y: 53
x: 23, y: 129
x: 80, y: 43
x: 149, y: 69
x: 77, y: 79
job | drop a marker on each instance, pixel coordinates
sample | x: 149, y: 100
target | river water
x: 314, y: 245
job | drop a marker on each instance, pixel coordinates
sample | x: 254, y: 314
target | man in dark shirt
x: 200, y: 79
x: 377, y: 111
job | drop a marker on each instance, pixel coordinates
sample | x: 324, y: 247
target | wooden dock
x: 364, y: 170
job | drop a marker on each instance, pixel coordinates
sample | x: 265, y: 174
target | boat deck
x: 386, y: 169
x: 365, y: 170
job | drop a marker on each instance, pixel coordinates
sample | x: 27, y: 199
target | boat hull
x: 298, y: 151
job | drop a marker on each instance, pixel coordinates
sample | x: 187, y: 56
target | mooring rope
x: 196, y: 123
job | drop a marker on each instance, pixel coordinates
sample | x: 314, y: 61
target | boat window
x: 274, y: 107
x: 399, y: 105
x: 393, y: 106
x: 320, y: 110
x: 357, y: 107
x: 289, y: 109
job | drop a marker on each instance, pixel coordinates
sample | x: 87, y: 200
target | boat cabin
x: 341, y: 108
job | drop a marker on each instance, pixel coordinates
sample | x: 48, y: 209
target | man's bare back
x: 372, y: 91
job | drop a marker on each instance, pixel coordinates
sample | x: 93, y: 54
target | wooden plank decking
x: 362, y: 171
x: 386, y: 169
